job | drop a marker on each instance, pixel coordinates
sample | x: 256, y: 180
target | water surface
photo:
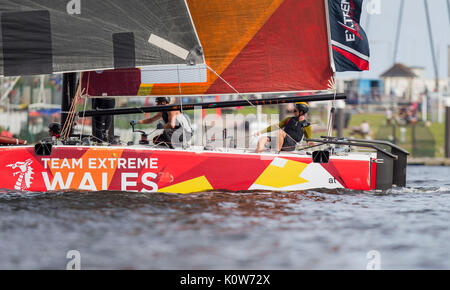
x: 317, y: 229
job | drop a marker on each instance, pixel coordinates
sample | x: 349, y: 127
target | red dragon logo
x: 25, y: 172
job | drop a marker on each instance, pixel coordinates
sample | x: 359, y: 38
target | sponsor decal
x: 24, y: 174
x: 348, y: 40
x: 350, y: 24
x: 172, y: 172
x: 93, y: 174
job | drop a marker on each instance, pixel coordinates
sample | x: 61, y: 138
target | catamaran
x: 180, y: 48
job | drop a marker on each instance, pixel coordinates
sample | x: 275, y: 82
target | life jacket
x: 294, y: 129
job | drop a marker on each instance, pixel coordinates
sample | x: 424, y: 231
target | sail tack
x: 52, y: 36
x: 249, y: 46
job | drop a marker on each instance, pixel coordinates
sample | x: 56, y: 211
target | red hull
x: 150, y: 170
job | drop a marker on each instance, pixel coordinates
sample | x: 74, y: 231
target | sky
x: 414, y: 45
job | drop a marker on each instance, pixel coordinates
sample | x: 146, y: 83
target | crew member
x: 172, y: 122
x: 290, y: 131
x: 54, y: 130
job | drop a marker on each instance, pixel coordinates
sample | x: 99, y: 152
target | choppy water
x: 304, y: 230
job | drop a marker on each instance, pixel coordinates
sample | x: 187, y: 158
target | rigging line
x: 65, y: 123
x: 69, y: 122
x: 228, y: 84
x: 71, y: 114
x: 332, y: 86
x: 71, y: 117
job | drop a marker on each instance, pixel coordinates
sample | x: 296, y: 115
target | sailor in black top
x: 173, y: 121
x: 291, y: 131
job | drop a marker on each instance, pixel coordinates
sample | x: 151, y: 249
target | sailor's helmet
x: 302, y: 107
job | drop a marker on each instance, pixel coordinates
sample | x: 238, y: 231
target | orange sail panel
x: 255, y: 46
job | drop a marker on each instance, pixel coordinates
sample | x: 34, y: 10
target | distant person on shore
x: 291, y: 131
x: 363, y: 130
x: 411, y: 118
x: 407, y: 115
x: 388, y: 116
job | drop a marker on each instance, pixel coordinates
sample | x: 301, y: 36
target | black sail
x: 56, y: 36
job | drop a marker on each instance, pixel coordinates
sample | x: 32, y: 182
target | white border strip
x: 351, y: 50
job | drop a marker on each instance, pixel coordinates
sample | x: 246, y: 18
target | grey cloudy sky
x: 414, y: 47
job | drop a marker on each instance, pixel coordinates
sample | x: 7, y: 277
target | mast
x: 69, y: 88
x: 448, y: 9
x: 430, y: 34
x: 103, y: 125
x: 399, y: 28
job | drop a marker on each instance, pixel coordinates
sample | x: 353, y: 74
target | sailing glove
x: 133, y: 122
